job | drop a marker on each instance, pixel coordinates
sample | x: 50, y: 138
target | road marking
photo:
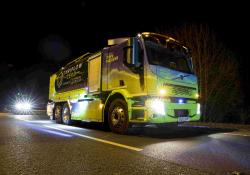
x: 3, y: 114
x: 36, y: 121
x: 97, y: 139
x: 234, y: 134
x: 21, y: 119
x: 118, y: 144
x: 92, y: 138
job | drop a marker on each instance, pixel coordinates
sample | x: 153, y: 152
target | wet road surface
x: 32, y: 144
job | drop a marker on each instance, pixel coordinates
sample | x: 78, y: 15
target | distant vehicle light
x: 25, y: 106
x: 18, y: 106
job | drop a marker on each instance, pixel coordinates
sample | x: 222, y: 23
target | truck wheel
x: 66, y: 117
x: 58, y: 114
x: 118, y: 116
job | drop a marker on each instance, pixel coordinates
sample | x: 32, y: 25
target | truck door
x: 116, y: 74
x: 94, y: 112
x: 94, y: 74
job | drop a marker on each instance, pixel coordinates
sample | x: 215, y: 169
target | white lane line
x: 36, y: 121
x: 99, y: 140
x: 22, y: 119
x: 234, y: 134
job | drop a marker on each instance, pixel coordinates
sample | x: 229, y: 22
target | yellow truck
x: 146, y: 79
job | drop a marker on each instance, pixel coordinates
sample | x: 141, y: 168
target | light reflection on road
x: 209, y: 150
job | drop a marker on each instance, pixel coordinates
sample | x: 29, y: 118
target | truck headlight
x: 198, y: 108
x: 158, y: 107
x: 162, y: 92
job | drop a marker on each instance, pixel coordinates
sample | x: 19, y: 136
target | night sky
x: 40, y: 32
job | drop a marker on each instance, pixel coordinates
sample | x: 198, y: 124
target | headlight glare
x: 162, y: 92
x: 18, y: 106
x: 23, y: 106
x: 198, y: 108
x: 158, y: 107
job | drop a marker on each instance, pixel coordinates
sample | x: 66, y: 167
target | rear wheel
x: 58, y: 114
x: 66, y: 117
x: 118, y: 116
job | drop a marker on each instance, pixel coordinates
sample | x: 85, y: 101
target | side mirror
x: 128, y: 52
x: 190, y: 61
x: 132, y: 53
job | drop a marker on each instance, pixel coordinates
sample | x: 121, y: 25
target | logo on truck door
x: 111, y: 58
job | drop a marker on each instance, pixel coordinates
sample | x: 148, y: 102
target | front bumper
x: 165, y: 111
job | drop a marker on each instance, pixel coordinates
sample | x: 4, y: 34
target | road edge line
x: 235, y: 134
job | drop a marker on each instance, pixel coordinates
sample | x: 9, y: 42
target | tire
x: 66, y: 116
x: 58, y: 114
x: 118, y: 116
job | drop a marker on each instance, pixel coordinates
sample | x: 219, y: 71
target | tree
x: 216, y: 68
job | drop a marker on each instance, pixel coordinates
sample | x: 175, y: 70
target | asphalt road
x: 32, y: 144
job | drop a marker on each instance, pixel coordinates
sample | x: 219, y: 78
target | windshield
x: 167, y: 53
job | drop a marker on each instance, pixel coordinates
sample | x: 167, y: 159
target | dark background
x: 37, y: 37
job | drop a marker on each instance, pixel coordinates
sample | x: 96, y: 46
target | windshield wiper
x: 181, y: 77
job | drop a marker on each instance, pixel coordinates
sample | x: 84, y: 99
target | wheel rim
x: 57, y: 113
x: 118, y: 117
x: 65, y: 115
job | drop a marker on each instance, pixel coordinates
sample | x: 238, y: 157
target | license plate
x: 181, y: 113
x: 183, y: 119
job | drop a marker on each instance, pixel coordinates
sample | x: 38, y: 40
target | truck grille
x: 180, y: 91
